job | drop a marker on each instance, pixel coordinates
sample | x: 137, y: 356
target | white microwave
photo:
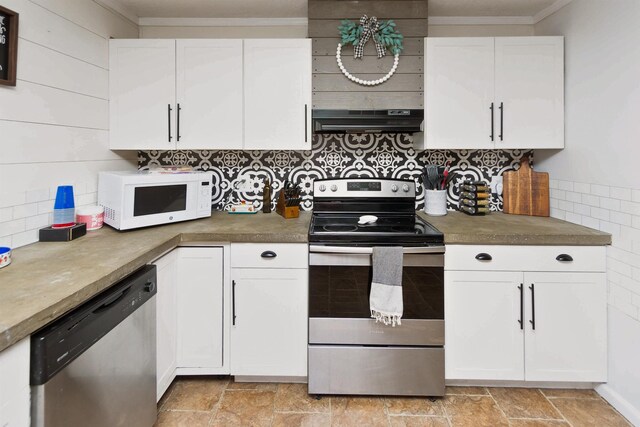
x: 142, y: 198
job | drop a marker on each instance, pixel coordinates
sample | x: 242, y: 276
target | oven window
x: 343, y: 291
x: 159, y: 199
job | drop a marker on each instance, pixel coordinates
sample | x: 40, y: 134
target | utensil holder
x: 435, y: 202
x: 284, y: 210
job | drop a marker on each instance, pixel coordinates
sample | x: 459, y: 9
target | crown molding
x: 222, y: 22
x: 556, y: 6
x: 500, y: 20
x: 120, y: 9
x: 480, y: 20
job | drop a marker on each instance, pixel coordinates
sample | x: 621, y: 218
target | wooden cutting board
x: 526, y: 192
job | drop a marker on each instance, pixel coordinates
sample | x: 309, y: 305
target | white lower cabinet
x: 15, y: 393
x: 483, y: 339
x: 525, y: 325
x: 189, y: 314
x: 569, y: 342
x: 166, y: 321
x: 200, y: 307
x: 269, y: 310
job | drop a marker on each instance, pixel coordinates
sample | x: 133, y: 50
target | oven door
x: 339, y: 287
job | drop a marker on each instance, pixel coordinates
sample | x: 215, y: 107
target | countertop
x: 46, y: 280
x: 498, y: 228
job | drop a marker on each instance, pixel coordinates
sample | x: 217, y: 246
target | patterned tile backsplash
x: 333, y: 156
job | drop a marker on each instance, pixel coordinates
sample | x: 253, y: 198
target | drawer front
x: 525, y: 258
x: 269, y: 255
x: 395, y: 371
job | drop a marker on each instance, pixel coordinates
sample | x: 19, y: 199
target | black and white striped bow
x: 369, y: 30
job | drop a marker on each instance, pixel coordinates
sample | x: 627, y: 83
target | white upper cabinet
x: 530, y: 90
x: 503, y: 93
x: 142, y: 94
x: 459, y: 82
x: 277, y: 94
x: 209, y: 94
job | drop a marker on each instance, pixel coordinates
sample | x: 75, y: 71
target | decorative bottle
x: 266, y: 197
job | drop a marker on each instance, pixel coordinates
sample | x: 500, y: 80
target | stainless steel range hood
x: 367, y: 121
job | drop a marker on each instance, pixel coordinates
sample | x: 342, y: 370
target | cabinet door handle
x: 305, y: 124
x: 233, y: 302
x: 501, y: 122
x: 491, y: 108
x: 169, y: 109
x: 178, y: 123
x: 268, y: 254
x: 521, y: 321
x: 564, y: 258
x: 484, y: 257
x: 533, y: 307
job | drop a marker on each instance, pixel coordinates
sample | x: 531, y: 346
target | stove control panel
x: 364, y: 187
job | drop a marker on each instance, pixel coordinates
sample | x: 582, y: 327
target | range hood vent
x: 367, y: 121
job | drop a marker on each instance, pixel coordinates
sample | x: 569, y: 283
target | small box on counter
x: 66, y: 234
x: 475, y: 197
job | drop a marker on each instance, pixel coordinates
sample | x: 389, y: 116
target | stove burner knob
x: 405, y: 188
x: 394, y: 188
x: 334, y: 187
x: 322, y: 187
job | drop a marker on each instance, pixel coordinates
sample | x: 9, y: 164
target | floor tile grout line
x: 603, y: 400
x: 498, y: 405
x: 558, y: 409
x: 216, y: 407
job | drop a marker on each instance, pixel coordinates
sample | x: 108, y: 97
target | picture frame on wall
x: 8, y: 46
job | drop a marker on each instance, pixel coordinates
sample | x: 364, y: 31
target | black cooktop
x: 388, y: 229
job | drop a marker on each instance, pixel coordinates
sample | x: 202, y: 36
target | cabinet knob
x: 482, y: 256
x: 268, y: 254
x: 564, y: 258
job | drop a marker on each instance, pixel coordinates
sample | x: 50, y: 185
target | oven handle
x: 369, y: 251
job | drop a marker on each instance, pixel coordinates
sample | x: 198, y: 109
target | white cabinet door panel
x: 209, y: 94
x: 483, y: 338
x: 142, y: 92
x: 269, y: 334
x: 166, y: 321
x: 459, y: 92
x: 15, y: 393
x: 569, y: 342
x: 200, y: 307
x: 529, y: 81
x: 277, y: 94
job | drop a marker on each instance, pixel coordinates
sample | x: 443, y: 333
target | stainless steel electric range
x: 349, y: 353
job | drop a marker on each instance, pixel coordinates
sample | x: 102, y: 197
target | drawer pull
x: 268, y: 254
x: 564, y: 258
x: 483, y: 257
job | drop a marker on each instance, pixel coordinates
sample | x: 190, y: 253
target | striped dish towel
x: 385, y: 299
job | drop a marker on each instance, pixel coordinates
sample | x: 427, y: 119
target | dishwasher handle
x: 112, y: 300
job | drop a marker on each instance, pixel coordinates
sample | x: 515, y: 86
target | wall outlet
x: 496, y: 185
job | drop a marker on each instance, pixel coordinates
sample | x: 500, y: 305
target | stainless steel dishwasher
x: 96, y: 366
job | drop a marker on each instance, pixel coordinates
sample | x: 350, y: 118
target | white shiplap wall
x: 54, y: 125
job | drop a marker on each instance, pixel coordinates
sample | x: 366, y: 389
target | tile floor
x: 210, y: 401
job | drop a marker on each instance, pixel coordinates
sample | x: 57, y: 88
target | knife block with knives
x: 288, y: 204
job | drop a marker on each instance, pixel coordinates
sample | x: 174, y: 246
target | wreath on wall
x: 384, y: 35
